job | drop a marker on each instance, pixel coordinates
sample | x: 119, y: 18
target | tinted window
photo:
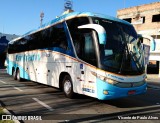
x: 120, y: 53
x: 54, y: 36
x: 82, y: 40
x: 18, y: 46
x: 48, y: 38
x: 156, y: 18
x: 58, y: 37
x: 128, y: 19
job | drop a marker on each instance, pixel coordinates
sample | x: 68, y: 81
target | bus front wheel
x: 68, y: 87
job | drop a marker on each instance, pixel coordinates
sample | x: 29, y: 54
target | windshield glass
x: 120, y: 53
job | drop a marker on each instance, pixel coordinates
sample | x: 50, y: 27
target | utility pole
x: 41, y: 18
x: 124, y: 3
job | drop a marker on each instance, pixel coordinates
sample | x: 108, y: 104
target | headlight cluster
x: 119, y: 84
x: 105, y: 79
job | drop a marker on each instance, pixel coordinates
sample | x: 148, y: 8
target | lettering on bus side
x: 116, y: 77
x: 34, y: 57
x: 89, y: 89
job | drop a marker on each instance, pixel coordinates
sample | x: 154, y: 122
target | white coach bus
x: 81, y: 52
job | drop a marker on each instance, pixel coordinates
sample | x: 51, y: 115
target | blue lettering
x: 35, y: 57
x: 115, y: 77
x: 88, y: 90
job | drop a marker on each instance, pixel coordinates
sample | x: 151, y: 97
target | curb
x: 9, y: 113
x: 153, y: 86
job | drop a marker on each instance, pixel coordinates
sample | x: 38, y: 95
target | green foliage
x: 4, y: 121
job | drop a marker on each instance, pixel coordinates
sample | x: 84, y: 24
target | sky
x: 20, y: 16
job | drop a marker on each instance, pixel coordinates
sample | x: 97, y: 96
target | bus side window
x: 82, y: 40
x: 79, y: 45
x: 58, y: 37
x: 85, y: 48
x: 89, y: 54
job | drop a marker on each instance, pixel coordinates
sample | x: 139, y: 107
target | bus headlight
x: 111, y: 81
x: 105, y: 79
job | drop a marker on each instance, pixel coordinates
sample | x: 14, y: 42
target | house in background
x: 3, y: 50
x: 146, y: 20
x: 4, y: 39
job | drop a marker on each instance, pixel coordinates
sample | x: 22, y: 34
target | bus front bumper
x: 106, y: 91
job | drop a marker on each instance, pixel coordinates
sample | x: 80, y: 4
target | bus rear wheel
x: 18, y: 75
x: 14, y: 73
x: 68, y: 87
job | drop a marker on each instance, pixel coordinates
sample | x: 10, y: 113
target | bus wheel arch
x: 66, y: 84
x: 18, y: 74
x: 14, y: 73
x: 61, y: 76
x: 13, y: 69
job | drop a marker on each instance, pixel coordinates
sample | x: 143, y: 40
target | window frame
x: 37, y: 40
x: 93, y: 37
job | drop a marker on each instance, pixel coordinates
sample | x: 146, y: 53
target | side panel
x: 10, y: 63
x: 86, y: 79
x: 15, y: 61
x: 47, y: 67
x: 44, y: 66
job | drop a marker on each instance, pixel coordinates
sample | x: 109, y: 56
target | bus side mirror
x: 152, y: 43
x: 102, y: 36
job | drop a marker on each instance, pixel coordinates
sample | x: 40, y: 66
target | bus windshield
x: 120, y: 53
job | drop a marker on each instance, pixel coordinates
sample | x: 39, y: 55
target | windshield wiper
x: 120, y: 71
x: 136, y: 62
x: 127, y: 56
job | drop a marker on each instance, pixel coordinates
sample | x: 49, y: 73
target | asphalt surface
x: 29, y: 98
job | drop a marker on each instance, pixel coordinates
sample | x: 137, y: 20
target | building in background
x: 3, y: 50
x: 146, y: 20
x: 4, y: 39
x: 9, y: 37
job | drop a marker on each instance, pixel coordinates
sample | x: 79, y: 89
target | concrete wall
x: 142, y: 19
x: 138, y: 13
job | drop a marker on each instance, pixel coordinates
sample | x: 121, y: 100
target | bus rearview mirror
x: 102, y: 36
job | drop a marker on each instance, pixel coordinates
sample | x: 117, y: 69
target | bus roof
x: 69, y: 16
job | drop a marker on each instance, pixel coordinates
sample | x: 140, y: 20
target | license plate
x: 131, y: 92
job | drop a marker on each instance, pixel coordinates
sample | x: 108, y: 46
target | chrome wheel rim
x: 18, y: 76
x: 67, y: 86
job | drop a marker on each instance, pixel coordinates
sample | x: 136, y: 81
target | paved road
x: 30, y: 98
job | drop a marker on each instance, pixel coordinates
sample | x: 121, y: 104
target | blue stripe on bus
x: 61, y: 50
x: 116, y: 92
x: 70, y: 51
x: 23, y: 73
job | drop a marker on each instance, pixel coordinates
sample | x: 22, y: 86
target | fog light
x: 105, y: 92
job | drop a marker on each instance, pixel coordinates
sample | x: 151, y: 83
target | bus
x: 81, y: 53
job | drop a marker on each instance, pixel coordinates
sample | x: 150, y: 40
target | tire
x: 14, y: 73
x: 18, y: 75
x: 68, y: 87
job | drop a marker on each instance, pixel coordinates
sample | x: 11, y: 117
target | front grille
x: 129, y: 84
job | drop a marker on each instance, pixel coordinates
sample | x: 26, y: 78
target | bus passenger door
x: 87, y: 55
